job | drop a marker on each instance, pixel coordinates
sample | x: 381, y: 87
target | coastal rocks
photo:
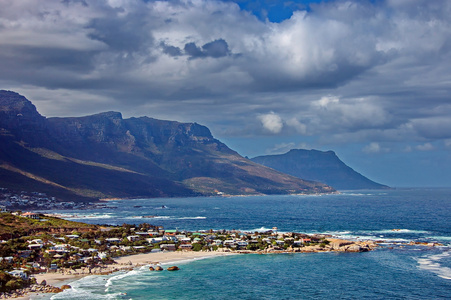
x: 35, y: 288
x: 351, y: 246
x: 337, y: 244
x: 355, y: 248
x: 159, y: 268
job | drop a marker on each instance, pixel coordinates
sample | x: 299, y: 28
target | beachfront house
x: 230, y: 243
x: 298, y: 243
x: 133, y: 238
x: 35, y: 246
x: 72, y: 236
x: 185, y: 240
x: 170, y: 232
x: 156, y: 240
x: 242, y: 244
x: 280, y: 243
x: 186, y: 247
x: 113, y: 240
x: 125, y: 248
x: 152, y: 233
x: 168, y: 247
x: 30, y: 215
x: 19, y: 274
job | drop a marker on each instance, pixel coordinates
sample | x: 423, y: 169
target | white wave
x: 261, y: 229
x: 432, y: 263
x: 402, y: 231
x: 165, y: 218
x: 92, y: 216
x: 358, y: 194
x: 80, y: 289
x: 441, y: 238
x: 111, y: 280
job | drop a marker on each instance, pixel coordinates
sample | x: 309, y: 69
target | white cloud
x: 334, y: 114
x: 425, y: 147
x: 374, y: 148
x: 344, y: 71
x: 272, y: 122
x: 296, y: 124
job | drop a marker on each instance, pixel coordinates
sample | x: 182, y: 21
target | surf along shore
x: 126, y: 263
x: 54, y: 282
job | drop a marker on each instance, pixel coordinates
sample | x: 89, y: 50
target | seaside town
x: 32, y: 244
x: 25, y: 200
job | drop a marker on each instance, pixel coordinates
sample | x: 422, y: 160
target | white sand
x: 125, y: 262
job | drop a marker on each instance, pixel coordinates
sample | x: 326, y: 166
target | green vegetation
x: 14, y: 226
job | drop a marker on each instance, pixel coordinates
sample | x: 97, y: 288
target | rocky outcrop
x: 173, y: 268
x: 351, y: 246
x: 35, y: 288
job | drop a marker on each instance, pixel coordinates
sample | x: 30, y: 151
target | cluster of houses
x: 34, y: 200
x: 55, y: 251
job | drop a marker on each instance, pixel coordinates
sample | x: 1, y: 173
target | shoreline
x: 100, y: 200
x: 123, y: 263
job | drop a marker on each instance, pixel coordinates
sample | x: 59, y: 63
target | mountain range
x: 107, y: 156
x: 318, y: 166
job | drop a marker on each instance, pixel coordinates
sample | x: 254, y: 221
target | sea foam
x: 432, y: 263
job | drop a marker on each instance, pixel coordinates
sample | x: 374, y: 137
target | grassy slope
x: 19, y: 226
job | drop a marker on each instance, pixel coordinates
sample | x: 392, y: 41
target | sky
x: 370, y: 80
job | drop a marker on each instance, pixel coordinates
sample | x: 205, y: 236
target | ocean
x: 394, y: 271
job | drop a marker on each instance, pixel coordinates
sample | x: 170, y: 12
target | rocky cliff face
x: 19, y: 116
x: 318, y: 166
x: 104, y: 155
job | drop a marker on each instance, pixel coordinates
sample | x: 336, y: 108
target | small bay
x: 397, y: 271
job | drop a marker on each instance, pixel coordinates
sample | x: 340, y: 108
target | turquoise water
x: 407, y: 272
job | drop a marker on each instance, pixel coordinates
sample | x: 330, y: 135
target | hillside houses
x: 12, y: 200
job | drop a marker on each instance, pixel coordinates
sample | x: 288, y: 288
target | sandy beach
x: 123, y: 263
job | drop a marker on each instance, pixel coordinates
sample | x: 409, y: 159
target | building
x: 31, y: 215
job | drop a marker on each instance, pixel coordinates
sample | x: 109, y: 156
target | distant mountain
x: 106, y: 156
x: 318, y: 166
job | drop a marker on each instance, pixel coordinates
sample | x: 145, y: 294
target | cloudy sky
x: 370, y: 80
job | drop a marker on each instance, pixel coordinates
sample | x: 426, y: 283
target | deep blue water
x: 410, y: 272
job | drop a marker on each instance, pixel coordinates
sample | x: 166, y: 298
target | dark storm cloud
x: 348, y: 70
x: 171, y: 50
x: 215, y: 49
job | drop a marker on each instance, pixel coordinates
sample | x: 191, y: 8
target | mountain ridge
x: 106, y: 156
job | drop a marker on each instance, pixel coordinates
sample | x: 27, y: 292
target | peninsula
x: 41, y: 250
